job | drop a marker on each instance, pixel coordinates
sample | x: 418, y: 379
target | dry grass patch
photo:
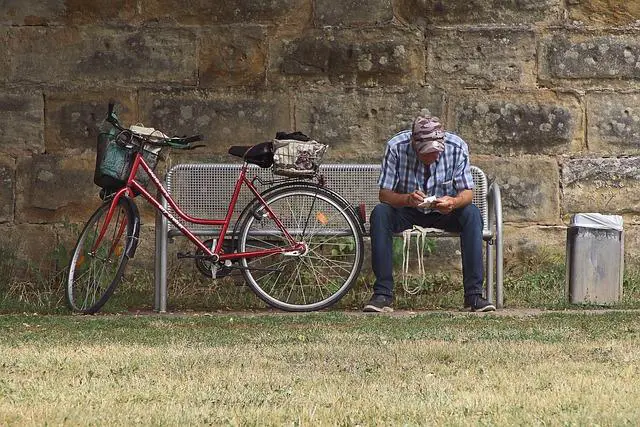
x: 327, y: 369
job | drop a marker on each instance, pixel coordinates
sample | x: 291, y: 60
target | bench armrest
x: 494, y: 201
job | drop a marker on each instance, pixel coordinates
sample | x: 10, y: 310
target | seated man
x: 420, y: 163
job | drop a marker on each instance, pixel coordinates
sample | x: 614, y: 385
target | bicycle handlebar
x: 112, y: 118
x: 194, y: 138
x: 183, y: 143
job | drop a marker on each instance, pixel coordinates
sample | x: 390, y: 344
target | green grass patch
x: 537, y: 281
x: 329, y: 368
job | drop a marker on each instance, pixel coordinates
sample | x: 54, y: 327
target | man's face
x: 428, y: 158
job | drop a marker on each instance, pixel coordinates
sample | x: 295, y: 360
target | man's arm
x: 443, y: 204
x: 400, y: 200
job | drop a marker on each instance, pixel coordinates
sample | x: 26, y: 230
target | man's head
x: 427, y: 137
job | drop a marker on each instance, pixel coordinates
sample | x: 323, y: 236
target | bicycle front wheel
x: 96, y: 269
x: 315, y: 278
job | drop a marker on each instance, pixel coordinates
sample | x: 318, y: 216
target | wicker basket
x: 297, y: 158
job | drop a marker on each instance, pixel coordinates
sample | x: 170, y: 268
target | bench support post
x: 495, y: 221
x: 489, y: 262
x: 160, y: 277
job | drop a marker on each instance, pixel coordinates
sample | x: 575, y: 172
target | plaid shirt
x: 403, y: 172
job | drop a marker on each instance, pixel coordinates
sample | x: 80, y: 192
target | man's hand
x: 415, y: 198
x: 445, y: 204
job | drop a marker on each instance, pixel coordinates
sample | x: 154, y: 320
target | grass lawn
x: 330, y: 368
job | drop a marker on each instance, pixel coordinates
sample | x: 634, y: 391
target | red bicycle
x: 298, y: 244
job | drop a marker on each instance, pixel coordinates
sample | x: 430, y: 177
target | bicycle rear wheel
x: 320, y: 276
x: 95, y: 271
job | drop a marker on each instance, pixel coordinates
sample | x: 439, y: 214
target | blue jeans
x: 387, y: 220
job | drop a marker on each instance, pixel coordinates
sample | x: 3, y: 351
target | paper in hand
x: 428, y: 202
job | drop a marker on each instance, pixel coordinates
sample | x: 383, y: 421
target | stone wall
x: 546, y: 93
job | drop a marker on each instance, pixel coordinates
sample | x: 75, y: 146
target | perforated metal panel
x: 205, y: 190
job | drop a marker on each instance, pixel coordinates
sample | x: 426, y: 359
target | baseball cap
x: 427, y: 135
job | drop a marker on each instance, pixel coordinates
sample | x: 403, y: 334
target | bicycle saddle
x: 259, y: 154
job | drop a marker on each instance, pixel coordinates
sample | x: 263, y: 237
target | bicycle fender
x: 135, y: 227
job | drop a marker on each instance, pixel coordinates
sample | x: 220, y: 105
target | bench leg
x: 495, y: 220
x: 489, y: 267
x: 499, y: 265
x: 160, y: 279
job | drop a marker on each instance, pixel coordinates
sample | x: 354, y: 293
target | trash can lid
x: 596, y: 220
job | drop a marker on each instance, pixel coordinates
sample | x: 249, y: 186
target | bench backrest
x: 205, y: 190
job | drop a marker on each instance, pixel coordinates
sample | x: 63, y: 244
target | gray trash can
x: 595, y: 259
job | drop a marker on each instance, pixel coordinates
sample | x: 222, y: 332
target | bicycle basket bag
x: 114, y: 161
x: 296, y: 155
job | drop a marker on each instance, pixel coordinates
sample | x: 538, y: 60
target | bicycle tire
x: 322, y: 275
x: 92, y: 277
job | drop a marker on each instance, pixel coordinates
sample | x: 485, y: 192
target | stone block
x: 30, y: 248
x: 632, y: 219
x: 519, y: 123
x: 352, y: 12
x: 412, y: 12
x: 482, y: 59
x: 205, y: 12
x: 631, y: 246
x: 604, y: 12
x: 232, y: 56
x: 224, y: 118
x: 442, y: 12
x: 604, y: 185
x: 7, y: 188
x: 5, y: 53
x: 353, y: 57
x: 95, y: 56
x: 593, y: 59
x: 357, y: 125
x: 21, y: 123
x: 56, y: 12
x: 613, y: 123
x: 534, y: 243
x: 529, y: 186
x: 31, y: 12
x: 102, y: 11
x: 74, y: 119
x: 55, y: 188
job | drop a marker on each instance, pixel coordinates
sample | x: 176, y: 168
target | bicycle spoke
x: 325, y: 274
x: 324, y: 271
x: 316, y: 275
x: 292, y: 283
x: 330, y: 263
x: 93, y: 276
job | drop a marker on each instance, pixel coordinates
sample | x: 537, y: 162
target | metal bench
x: 204, y: 190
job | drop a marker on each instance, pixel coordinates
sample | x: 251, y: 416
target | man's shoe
x: 477, y: 303
x: 379, y: 304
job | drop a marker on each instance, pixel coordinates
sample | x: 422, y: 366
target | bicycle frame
x: 133, y: 186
